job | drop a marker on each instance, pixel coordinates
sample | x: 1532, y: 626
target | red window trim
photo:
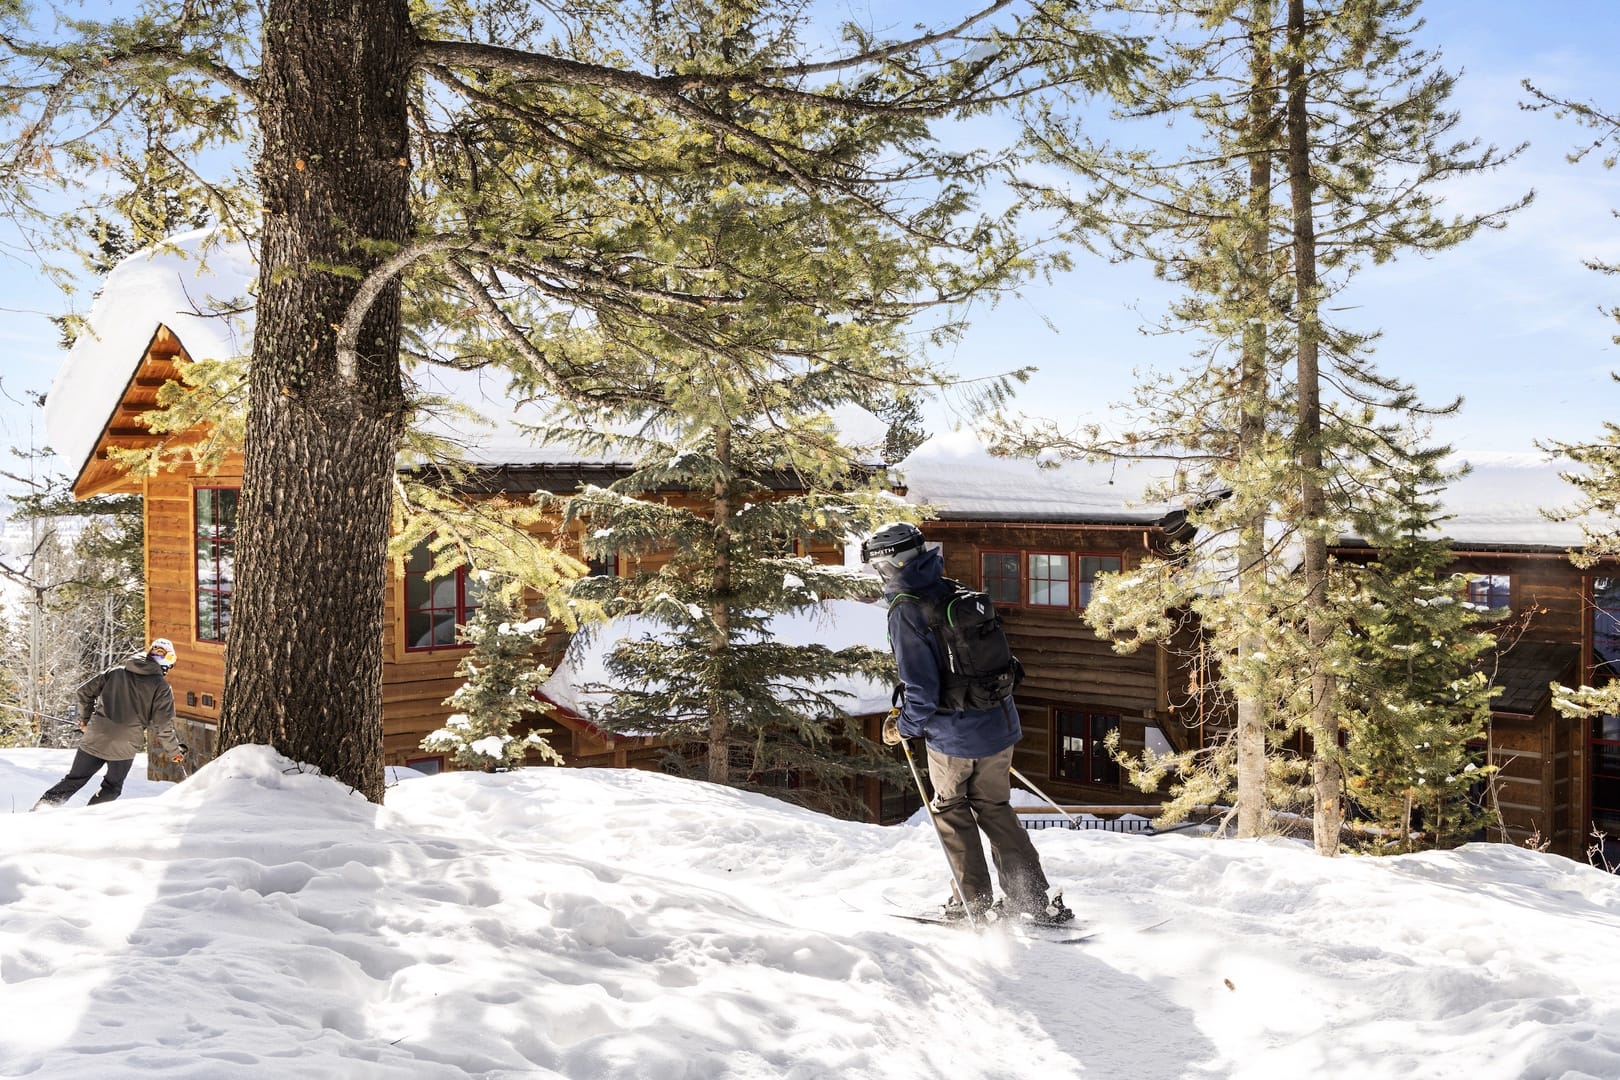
x: 1023, y: 556
x: 1029, y: 579
x: 214, y: 635
x: 1017, y: 579
x: 462, y: 612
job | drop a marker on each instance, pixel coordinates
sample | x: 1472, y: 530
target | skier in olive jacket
x: 116, y: 709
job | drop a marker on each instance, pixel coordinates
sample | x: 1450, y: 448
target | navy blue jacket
x: 964, y: 733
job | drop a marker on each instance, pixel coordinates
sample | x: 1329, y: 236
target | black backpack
x: 977, y: 668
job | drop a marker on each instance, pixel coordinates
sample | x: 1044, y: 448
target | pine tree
x: 1321, y: 139
x: 1413, y: 691
x: 501, y: 677
x: 82, y: 572
x: 497, y: 165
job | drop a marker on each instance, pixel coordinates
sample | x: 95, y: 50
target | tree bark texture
x: 1326, y: 771
x: 1253, y: 712
x: 304, y: 654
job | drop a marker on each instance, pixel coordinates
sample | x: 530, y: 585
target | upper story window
x: 1605, y: 609
x: 998, y: 572
x: 1041, y: 579
x: 1090, y: 567
x: 1490, y: 590
x: 1048, y: 580
x: 435, y: 606
x: 215, y: 536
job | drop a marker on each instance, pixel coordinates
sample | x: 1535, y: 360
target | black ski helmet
x: 894, y: 545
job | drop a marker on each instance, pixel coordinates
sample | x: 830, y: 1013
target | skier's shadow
x: 1115, y: 1025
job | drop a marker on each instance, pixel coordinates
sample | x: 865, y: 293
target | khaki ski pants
x: 971, y: 794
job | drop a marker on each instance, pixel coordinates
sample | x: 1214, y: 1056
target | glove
x: 179, y: 756
x: 891, y: 728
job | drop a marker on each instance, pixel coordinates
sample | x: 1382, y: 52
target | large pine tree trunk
x: 1326, y: 772
x: 304, y: 660
x: 1252, y: 711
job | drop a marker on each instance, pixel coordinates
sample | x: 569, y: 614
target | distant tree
x: 79, y: 577
x: 1319, y: 135
x: 503, y: 163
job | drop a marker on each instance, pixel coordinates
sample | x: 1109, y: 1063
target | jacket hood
x: 142, y: 665
x: 917, y: 574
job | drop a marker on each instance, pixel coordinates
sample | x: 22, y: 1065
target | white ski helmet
x: 162, y: 650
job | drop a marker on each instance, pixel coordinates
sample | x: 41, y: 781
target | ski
x: 1032, y: 930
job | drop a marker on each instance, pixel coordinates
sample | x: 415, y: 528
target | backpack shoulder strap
x: 930, y: 605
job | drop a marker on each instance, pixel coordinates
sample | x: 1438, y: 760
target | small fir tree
x: 1415, y: 698
x: 498, y: 695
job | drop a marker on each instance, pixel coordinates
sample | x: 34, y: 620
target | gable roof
x: 157, y: 307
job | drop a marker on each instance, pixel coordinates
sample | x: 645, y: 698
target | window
x: 1490, y: 590
x: 1081, y: 755
x: 998, y: 575
x: 432, y: 766
x: 435, y: 606
x: 215, y: 534
x: 607, y: 566
x: 1090, y: 567
x: 1048, y: 580
x: 1605, y: 730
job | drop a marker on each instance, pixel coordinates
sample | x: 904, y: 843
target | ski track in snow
x: 588, y: 924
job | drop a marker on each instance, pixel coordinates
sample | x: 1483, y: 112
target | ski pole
x: 1073, y: 824
x: 956, y: 880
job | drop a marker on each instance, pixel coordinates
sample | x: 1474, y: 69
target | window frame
x: 1082, y: 597
x: 1092, y: 743
x: 1469, y: 591
x: 221, y: 620
x: 1017, y: 578
x: 462, y: 613
x: 1077, y: 598
x: 1029, y: 578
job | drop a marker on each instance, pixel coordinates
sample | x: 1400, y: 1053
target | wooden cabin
x: 189, y: 519
x: 160, y: 310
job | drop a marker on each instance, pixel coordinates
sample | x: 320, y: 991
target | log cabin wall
x: 198, y: 678
x: 416, y: 681
x: 1546, y: 589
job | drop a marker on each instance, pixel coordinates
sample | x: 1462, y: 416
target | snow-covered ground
x: 259, y: 922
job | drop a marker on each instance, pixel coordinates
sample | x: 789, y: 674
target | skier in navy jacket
x: 969, y: 750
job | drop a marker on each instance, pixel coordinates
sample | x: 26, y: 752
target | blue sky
x: 1509, y: 321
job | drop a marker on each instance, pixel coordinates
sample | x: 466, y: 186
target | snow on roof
x: 180, y: 284
x: 1500, y: 502
x: 578, y: 682
x: 954, y: 473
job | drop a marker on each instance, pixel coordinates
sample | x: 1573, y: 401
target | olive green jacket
x: 121, y: 704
